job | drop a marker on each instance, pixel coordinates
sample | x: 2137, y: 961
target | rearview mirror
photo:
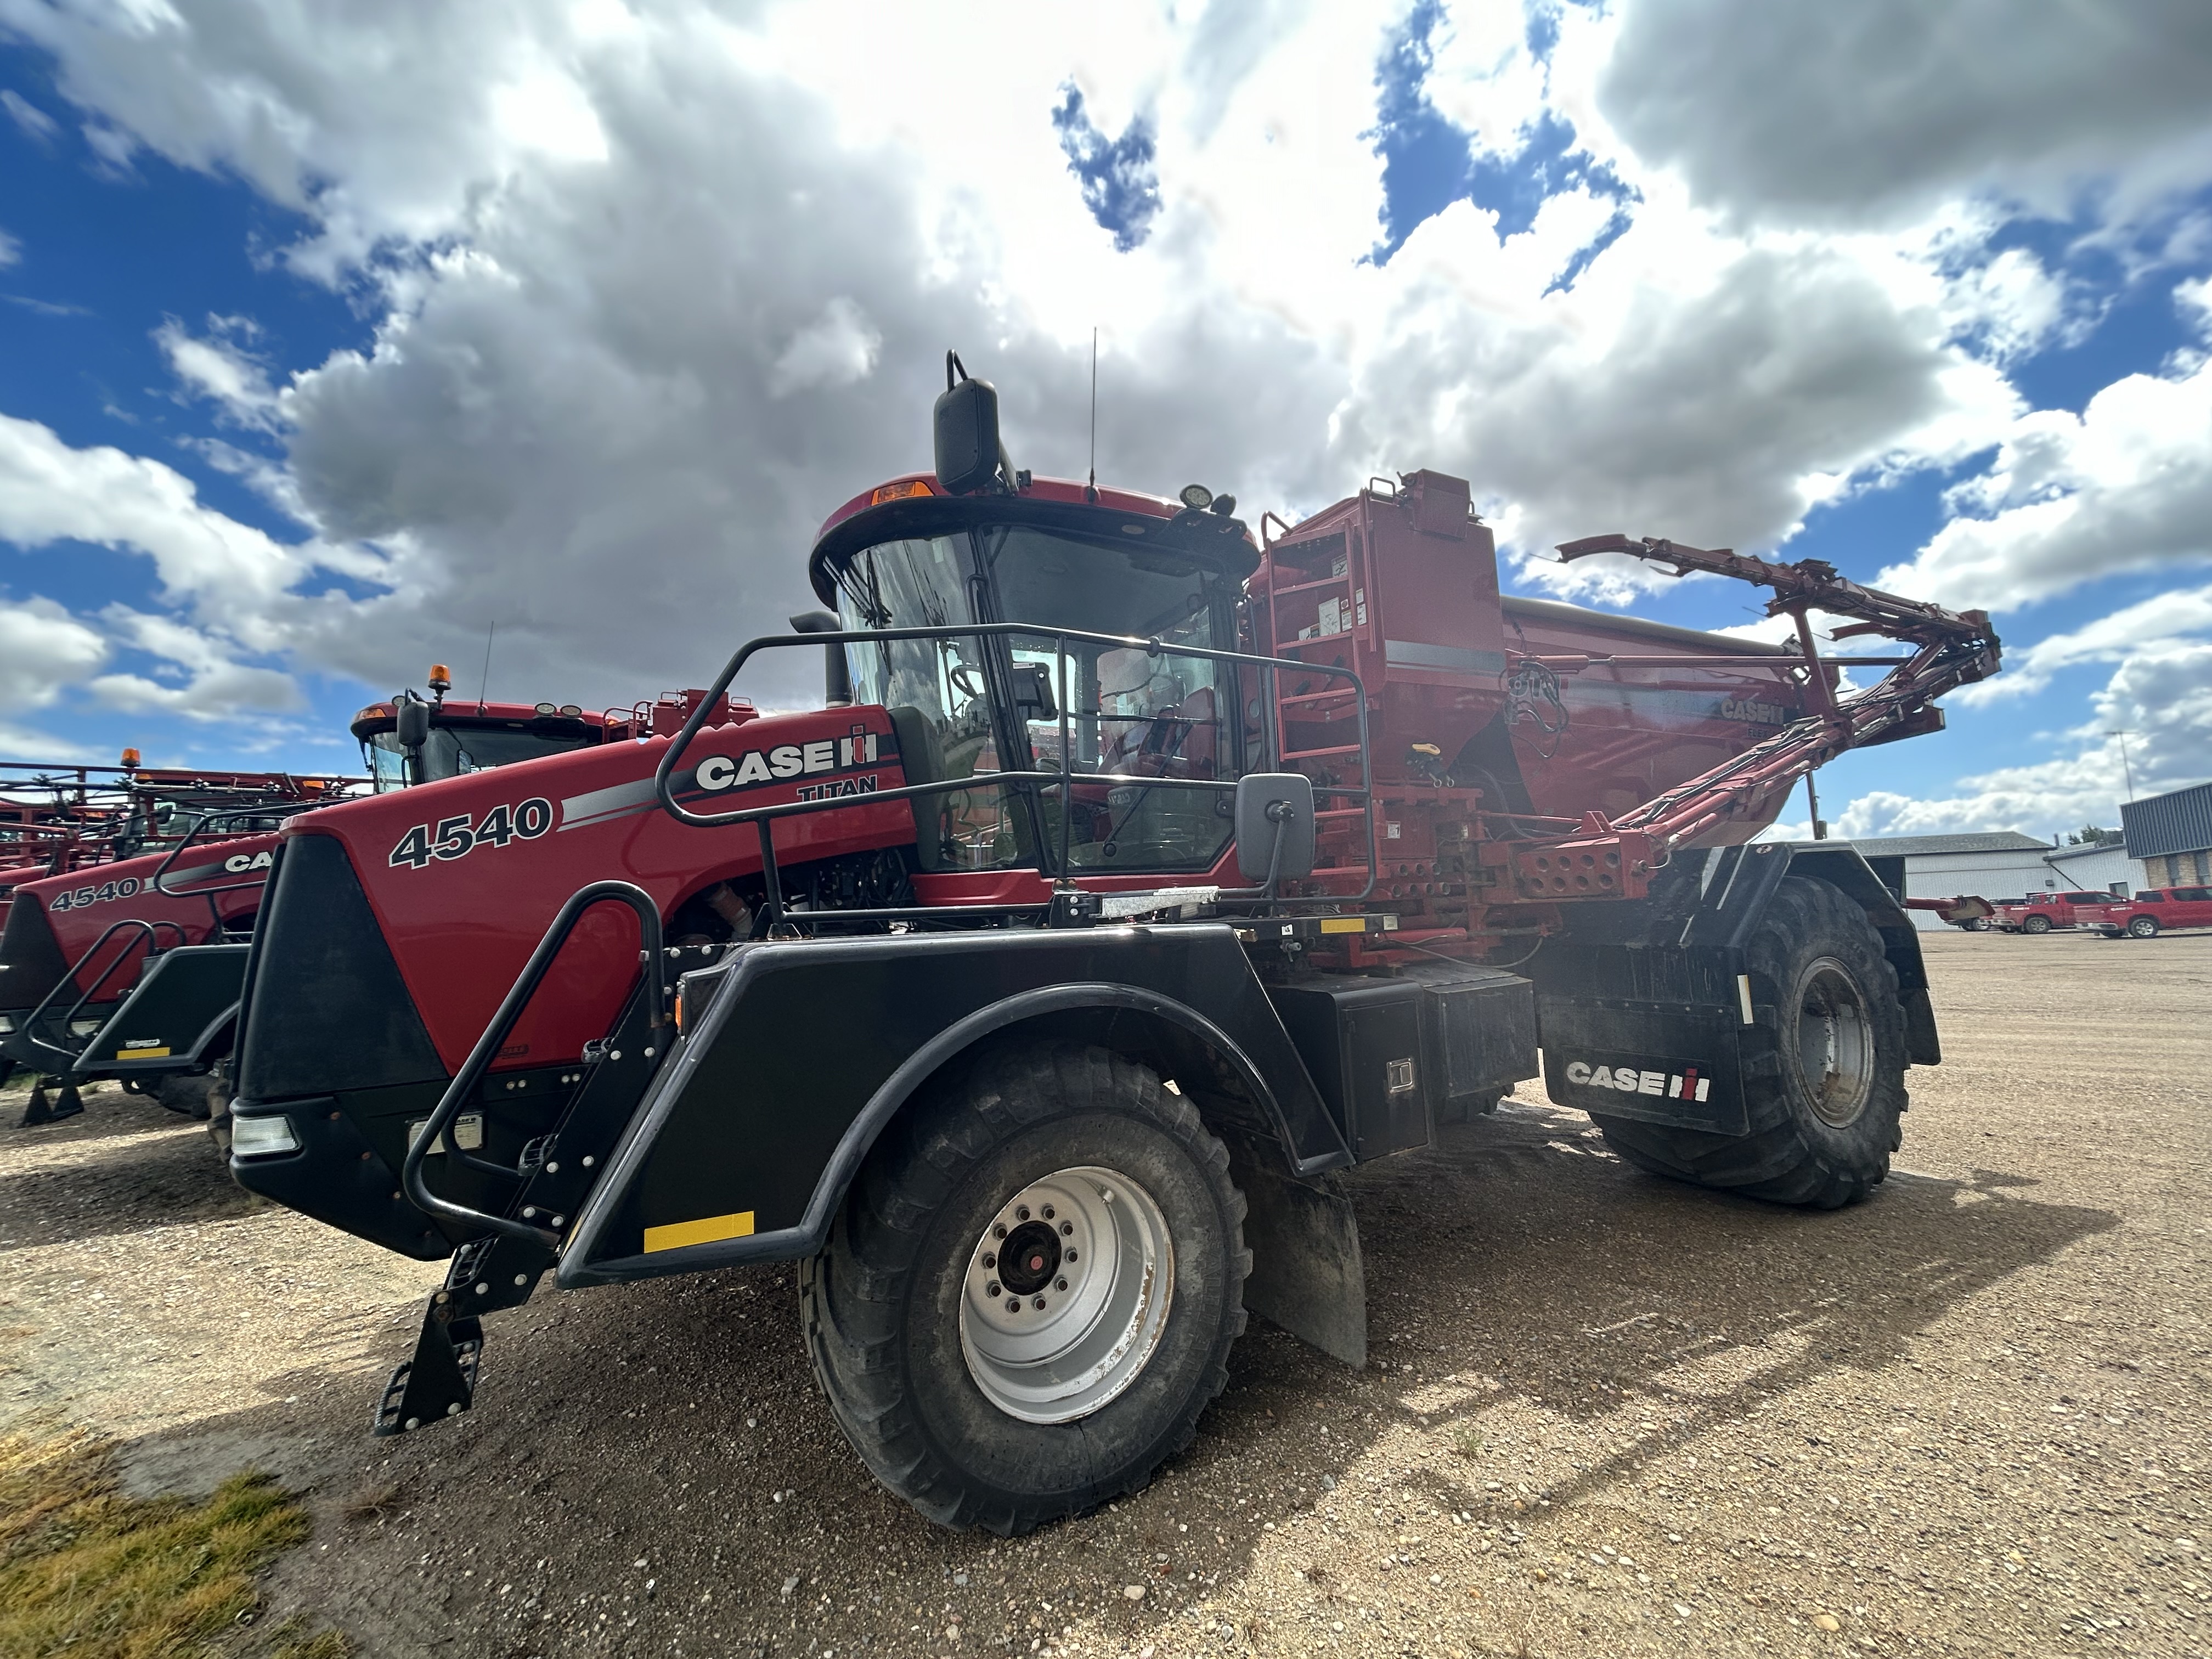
x: 836, y: 672
x: 1274, y: 826
x: 412, y: 720
x: 967, y: 420
x: 1033, y: 696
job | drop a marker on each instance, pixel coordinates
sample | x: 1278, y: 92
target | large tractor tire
x: 1824, y: 1105
x: 187, y: 1096
x: 2036, y: 925
x: 1030, y: 1293
x: 218, y: 1125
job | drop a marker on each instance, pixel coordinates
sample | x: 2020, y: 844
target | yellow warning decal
x: 1343, y: 924
x: 143, y: 1053
x: 714, y: 1228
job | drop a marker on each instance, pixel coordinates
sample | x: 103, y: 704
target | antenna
x: 2126, y: 764
x: 484, y: 684
x: 1090, y: 490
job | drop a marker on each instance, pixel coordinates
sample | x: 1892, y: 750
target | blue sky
x: 324, y: 345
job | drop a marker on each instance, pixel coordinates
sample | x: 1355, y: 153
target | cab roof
x: 455, y: 712
x: 913, y: 505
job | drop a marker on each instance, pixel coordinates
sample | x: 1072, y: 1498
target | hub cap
x: 1066, y: 1294
x: 1835, y: 1042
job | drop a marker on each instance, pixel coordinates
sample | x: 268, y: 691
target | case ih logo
x: 793, y: 760
x: 1684, y: 1084
x: 1756, y: 714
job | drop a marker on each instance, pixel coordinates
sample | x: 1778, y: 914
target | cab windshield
x: 1139, y: 721
x: 452, y: 750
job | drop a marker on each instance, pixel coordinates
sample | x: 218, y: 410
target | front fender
x: 801, y: 1053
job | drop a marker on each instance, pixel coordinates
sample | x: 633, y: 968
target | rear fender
x: 801, y: 1053
x: 1646, y: 1010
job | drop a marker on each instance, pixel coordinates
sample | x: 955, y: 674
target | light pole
x: 2126, y: 765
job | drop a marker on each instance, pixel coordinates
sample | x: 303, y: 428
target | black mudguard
x: 1643, y: 1007
x: 800, y: 1053
x: 183, y: 1007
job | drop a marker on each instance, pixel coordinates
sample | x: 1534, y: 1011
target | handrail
x: 439, y: 1125
x: 763, y: 816
x: 31, y: 1022
x: 280, y: 811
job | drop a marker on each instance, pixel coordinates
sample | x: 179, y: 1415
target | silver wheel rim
x: 1835, y: 1042
x: 2143, y: 927
x: 1061, y: 1326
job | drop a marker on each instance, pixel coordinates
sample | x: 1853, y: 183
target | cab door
x: 2192, y: 907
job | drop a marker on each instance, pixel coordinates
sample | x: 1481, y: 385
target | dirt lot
x: 1607, y: 1415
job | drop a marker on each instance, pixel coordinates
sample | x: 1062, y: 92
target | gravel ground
x: 1607, y: 1415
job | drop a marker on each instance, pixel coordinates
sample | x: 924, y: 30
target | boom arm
x: 1952, y: 649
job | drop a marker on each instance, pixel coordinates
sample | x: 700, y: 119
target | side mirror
x: 413, y: 720
x: 967, y: 421
x: 1274, y: 826
x: 836, y: 672
x: 1033, y: 697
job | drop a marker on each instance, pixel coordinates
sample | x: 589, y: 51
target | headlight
x: 257, y: 1137
x: 87, y: 1025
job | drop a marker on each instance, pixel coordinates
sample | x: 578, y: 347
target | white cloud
x: 12, y: 250
x: 43, y: 651
x: 200, y: 676
x: 837, y: 349
x: 1874, y: 111
x: 2151, y: 628
x: 219, y: 367
x: 35, y: 123
x: 50, y: 492
x: 2126, y: 485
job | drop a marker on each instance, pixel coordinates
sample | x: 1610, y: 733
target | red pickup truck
x: 2039, y: 913
x: 2154, y: 910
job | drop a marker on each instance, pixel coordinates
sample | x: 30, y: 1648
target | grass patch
x: 92, y: 1573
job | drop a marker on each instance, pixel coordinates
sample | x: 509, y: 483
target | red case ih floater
x: 76, y: 929
x: 126, y: 963
x: 1132, y: 880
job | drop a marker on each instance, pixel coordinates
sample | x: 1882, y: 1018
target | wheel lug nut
x: 1067, y: 1229
x: 1071, y: 1255
x: 991, y: 1289
x: 1047, y: 1213
x: 990, y: 1258
x: 1014, y: 1304
x: 998, y: 1232
x: 1021, y: 1212
x: 1060, y: 1286
x: 1038, y: 1305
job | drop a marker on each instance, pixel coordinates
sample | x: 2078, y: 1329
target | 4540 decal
x: 77, y: 898
x: 458, y: 836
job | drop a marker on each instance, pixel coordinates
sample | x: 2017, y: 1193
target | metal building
x: 1997, y: 863
x: 2171, y: 833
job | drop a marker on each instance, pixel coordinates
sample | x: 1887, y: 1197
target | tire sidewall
x: 2036, y: 925
x: 2143, y: 926
x: 1863, y: 1144
x: 962, y: 1424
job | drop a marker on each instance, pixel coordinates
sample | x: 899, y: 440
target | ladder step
x: 1315, y: 696
x: 1341, y: 812
x: 1307, y: 587
x: 1317, y: 754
